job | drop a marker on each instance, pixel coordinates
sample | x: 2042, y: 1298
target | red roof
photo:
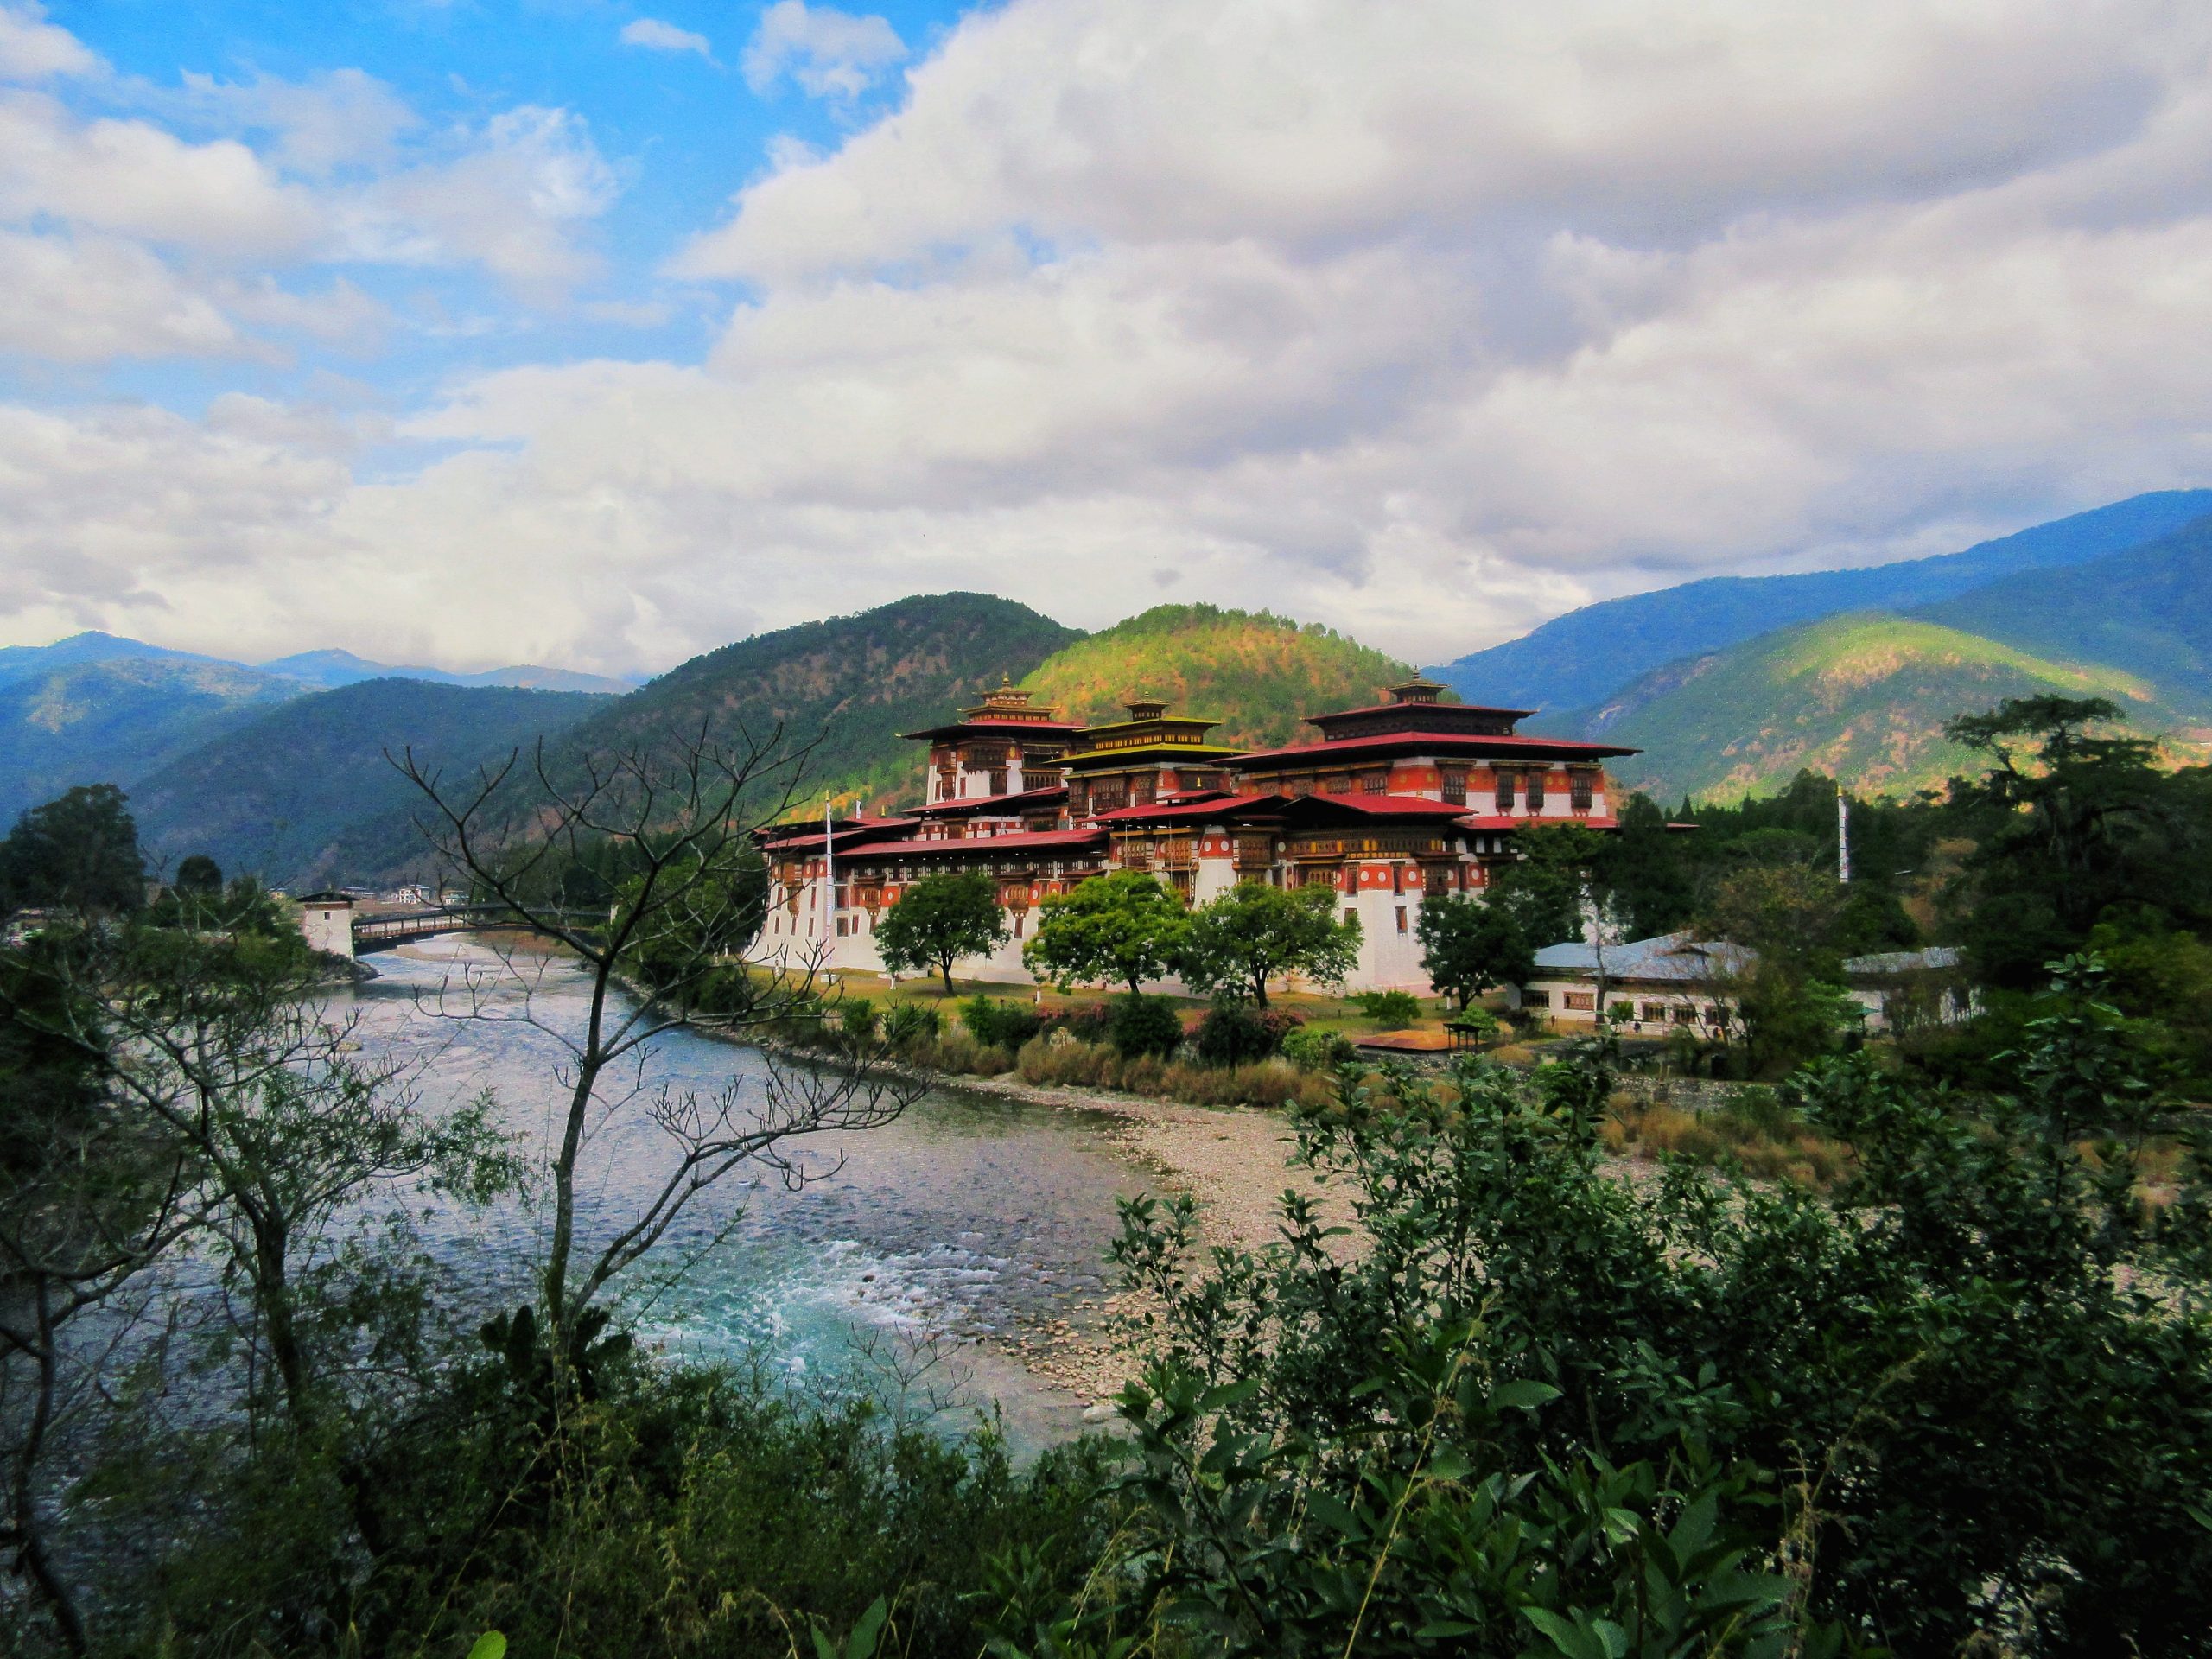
x: 984, y: 846
x: 984, y: 803
x: 806, y: 838
x: 1462, y: 742
x: 1219, y: 806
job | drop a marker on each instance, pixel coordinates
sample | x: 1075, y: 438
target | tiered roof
x: 1007, y: 712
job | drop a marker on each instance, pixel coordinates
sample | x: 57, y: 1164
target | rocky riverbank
x: 1233, y: 1161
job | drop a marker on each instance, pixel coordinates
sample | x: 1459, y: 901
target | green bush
x: 686, y: 1511
x: 1480, y: 1023
x: 1389, y: 1008
x: 1313, y: 1050
x: 999, y: 1023
x: 1144, y: 1024
x: 857, y: 1018
x: 1236, y: 1033
x: 908, y: 1023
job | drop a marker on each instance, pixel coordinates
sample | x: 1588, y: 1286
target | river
x: 904, y: 1272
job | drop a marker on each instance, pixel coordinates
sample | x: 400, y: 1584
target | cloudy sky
x: 599, y: 333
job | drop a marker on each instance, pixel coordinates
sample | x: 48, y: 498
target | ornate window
x: 1455, y: 785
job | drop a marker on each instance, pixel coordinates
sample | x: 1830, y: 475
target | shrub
x: 1087, y: 1022
x: 1313, y: 1049
x: 1233, y: 1033
x: 1480, y: 1023
x: 1000, y: 1023
x: 857, y: 1018
x: 1389, y: 1008
x: 911, y: 1022
x: 1144, y: 1024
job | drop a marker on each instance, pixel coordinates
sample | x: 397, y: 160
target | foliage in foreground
x: 1962, y: 1403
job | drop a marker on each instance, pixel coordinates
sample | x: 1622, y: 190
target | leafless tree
x: 83, y: 1213
x: 679, y: 822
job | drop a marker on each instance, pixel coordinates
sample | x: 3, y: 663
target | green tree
x: 1253, y: 933
x: 1645, y: 864
x: 940, y: 919
x: 1126, y: 926
x: 200, y: 874
x: 1547, y: 887
x: 2072, y: 820
x: 1787, y: 993
x: 78, y: 851
x: 1468, y: 945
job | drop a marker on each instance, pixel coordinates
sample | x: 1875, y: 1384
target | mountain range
x: 1725, y: 686
x: 1579, y: 660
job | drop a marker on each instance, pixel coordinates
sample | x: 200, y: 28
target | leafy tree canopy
x: 1468, y: 945
x: 78, y: 851
x: 1126, y: 926
x: 940, y: 919
x: 1253, y: 933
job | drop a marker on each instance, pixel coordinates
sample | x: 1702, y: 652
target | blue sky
x: 679, y: 131
x: 604, y: 334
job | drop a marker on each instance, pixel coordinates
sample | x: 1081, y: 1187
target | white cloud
x: 512, y: 199
x: 1424, y: 322
x: 134, y: 178
x: 341, y: 119
x: 33, y: 50
x: 657, y: 36
x: 830, y: 54
x: 90, y: 299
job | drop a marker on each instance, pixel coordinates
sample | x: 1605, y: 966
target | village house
x: 1408, y: 801
x: 1652, y: 985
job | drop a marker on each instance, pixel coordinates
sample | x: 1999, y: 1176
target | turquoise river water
x: 902, y: 1272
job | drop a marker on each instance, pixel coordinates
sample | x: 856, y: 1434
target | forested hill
x: 303, y: 794
x: 1862, y: 697
x: 848, y: 686
x: 1258, y: 673
x: 1588, y: 655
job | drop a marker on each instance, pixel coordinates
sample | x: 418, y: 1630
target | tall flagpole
x: 828, y: 875
x: 1843, y: 837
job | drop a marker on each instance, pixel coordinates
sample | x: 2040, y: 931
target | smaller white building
x: 1652, y: 985
x: 327, y: 923
x: 1672, y: 980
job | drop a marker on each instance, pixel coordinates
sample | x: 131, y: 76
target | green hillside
x: 1259, y: 673
x: 2147, y: 611
x: 849, y: 685
x: 1862, y: 697
x: 65, y: 721
x: 303, y: 794
x: 1593, y: 653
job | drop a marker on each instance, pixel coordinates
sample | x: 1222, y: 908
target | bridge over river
x: 333, y: 923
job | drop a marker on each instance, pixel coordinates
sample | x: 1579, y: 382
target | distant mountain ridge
x: 98, y: 707
x: 303, y: 794
x: 332, y: 669
x: 1863, y: 696
x: 111, y: 718
x: 1581, y: 658
x: 2147, y: 611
